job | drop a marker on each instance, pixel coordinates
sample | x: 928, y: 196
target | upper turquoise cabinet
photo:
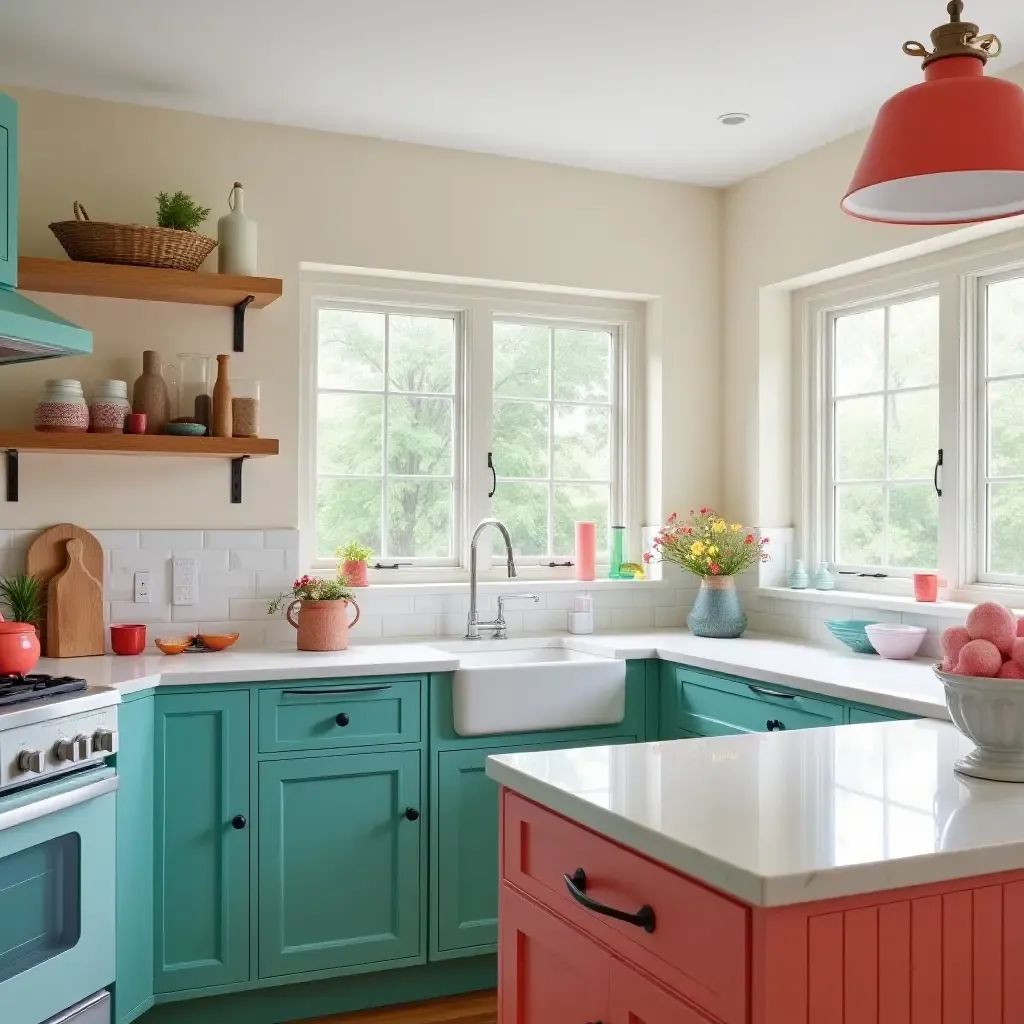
x: 8, y: 191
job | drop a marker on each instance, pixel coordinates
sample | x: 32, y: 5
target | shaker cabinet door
x: 202, y: 840
x: 635, y: 999
x: 340, y: 880
x: 8, y: 191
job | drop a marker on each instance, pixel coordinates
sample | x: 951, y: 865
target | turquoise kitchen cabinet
x: 342, y: 857
x: 8, y: 191
x: 709, y: 704
x: 464, y: 823
x: 201, y: 809
x: 863, y: 716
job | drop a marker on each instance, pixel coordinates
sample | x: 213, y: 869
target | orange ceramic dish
x: 173, y: 644
x: 218, y: 641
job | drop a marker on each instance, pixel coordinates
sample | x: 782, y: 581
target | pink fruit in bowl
x: 1020, y: 627
x: 953, y: 641
x: 1010, y: 670
x: 1018, y: 651
x: 979, y: 658
x: 992, y: 622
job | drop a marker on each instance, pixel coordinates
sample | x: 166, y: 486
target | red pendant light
x: 951, y: 149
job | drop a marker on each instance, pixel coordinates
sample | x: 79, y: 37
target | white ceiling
x: 622, y: 85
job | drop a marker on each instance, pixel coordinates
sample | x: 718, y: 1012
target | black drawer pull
x: 774, y: 725
x: 576, y: 883
x: 761, y: 691
x: 342, y: 719
x: 238, y: 821
x: 347, y: 689
x: 411, y: 814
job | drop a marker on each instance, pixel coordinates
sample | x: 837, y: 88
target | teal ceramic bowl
x: 185, y: 429
x: 851, y: 632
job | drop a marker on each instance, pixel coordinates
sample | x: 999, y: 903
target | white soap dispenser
x: 236, y: 237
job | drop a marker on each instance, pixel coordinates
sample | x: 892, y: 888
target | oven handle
x: 34, y: 809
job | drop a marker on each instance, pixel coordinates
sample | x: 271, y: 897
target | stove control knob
x: 68, y: 750
x: 82, y: 747
x: 103, y: 740
x: 30, y: 761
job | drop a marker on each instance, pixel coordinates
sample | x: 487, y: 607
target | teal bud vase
x: 716, y: 612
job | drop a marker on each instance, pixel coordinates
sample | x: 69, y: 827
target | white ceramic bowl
x: 895, y: 641
x: 991, y: 713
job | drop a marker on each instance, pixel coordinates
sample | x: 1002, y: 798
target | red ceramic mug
x: 926, y: 586
x: 135, y: 423
x: 128, y: 639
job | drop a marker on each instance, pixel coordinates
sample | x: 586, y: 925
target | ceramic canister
x: 62, y: 408
x: 109, y: 407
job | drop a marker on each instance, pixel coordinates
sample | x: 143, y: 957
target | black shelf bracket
x: 12, y: 474
x: 240, y: 309
x: 236, y: 479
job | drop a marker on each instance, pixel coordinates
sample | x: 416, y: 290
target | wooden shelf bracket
x: 240, y: 322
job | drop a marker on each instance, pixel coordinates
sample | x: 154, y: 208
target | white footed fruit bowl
x: 991, y: 713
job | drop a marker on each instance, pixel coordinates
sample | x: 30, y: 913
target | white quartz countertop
x: 781, y: 818
x: 907, y: 686
x: 128, y: 675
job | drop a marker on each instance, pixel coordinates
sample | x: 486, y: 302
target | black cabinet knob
x: 342, y: 719
x: 774, y: 725
x: 411, y: 814
x: 238, y: 821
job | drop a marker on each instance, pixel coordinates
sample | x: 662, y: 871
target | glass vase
x: 716, y: 612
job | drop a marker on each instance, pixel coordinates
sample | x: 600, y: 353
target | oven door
x: 56, y: 895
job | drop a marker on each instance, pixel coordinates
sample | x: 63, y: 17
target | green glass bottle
x: 617, y: 552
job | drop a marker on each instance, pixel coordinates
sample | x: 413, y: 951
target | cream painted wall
x: 782, y: 227
x: 357, y: 202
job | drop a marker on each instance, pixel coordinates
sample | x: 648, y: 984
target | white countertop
x: 791, y: 817
x: 128, y: 675
x: 907, y: 686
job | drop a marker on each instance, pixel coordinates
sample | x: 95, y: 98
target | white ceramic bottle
x: 236, y: 237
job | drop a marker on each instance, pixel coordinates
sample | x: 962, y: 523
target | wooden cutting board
x: 47, y: 555
x: 74, y: 608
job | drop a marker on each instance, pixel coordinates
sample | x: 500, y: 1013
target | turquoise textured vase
x: 716, y: 612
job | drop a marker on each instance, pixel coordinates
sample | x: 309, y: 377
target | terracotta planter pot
x: 355, y: 573
x: 322, y: 625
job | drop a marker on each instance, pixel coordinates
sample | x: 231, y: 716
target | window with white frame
x: 436, y: 409
x: 916, y: 410
x: 555, y: 427
x: 883, y: 421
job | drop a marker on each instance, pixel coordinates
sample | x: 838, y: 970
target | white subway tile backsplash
x: 231, y: 539
x: 22, y: 538
x: 245, y: 608
x: 632, y: 618
x: 409, y: 625
x: 230, y: 582
x: 111, y: 540
x: 169, y: 540
x: 269, y: 583
x: 545, y: 620
x: 5, y: 538
x: 258, y: 559
x: 438, y: 604
x: 129, y: 611
x: 669, y: 617
x: 209, y: 606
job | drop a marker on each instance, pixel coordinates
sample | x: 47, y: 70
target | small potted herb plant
x: 322, y: 619
x: 353, y: 558
x: 22, y: 596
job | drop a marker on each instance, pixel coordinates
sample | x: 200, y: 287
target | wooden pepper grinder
x: 222, y: 399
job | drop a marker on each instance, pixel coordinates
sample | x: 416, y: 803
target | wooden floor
x: 476, y: 1008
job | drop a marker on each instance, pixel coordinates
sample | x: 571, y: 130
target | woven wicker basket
x: 140, y: 245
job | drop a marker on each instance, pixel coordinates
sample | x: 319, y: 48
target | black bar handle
x: 576, y: 883
x: 935, y: 473
x: 494, y: 474
x: 347, y: 689
x: 774, y: 725
x: 760, y: 690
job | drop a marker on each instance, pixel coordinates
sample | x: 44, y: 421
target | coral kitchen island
x: 821, y: 876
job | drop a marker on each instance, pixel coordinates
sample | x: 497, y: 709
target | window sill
x: 945, y: 609
x: 518, y: 584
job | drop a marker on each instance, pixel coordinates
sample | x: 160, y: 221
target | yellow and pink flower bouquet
x: 710, y: 547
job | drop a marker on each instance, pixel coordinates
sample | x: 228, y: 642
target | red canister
x: 19, y: 648
x: 128, y: 639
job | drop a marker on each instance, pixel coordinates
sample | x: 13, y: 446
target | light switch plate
x: 142, y: 587
x: 185, y: 582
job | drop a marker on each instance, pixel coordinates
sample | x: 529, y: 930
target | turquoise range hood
x: 29, y: 332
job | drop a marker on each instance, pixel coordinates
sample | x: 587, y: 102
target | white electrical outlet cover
x: 142, y: 587
x: 184, y: 582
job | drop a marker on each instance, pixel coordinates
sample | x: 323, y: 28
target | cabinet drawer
x: 699, y: 945
x: 335, y: 714
x: 711, y: 705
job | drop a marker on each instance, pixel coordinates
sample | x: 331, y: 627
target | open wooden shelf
x: 112, y: 280
x: 237, y: 449
x: 138, y: 444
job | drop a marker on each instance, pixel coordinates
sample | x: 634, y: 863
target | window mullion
x: 551, y: 442
x: 886, y: 489
x: 385, y: 553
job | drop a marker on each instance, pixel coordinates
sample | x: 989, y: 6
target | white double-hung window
x: 915, y: 421
x: 429, y: 410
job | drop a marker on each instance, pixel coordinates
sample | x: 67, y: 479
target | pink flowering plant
x: 707, y: 545
x: 314, y: 588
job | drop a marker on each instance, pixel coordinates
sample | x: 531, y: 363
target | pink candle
x: 586, y: 550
